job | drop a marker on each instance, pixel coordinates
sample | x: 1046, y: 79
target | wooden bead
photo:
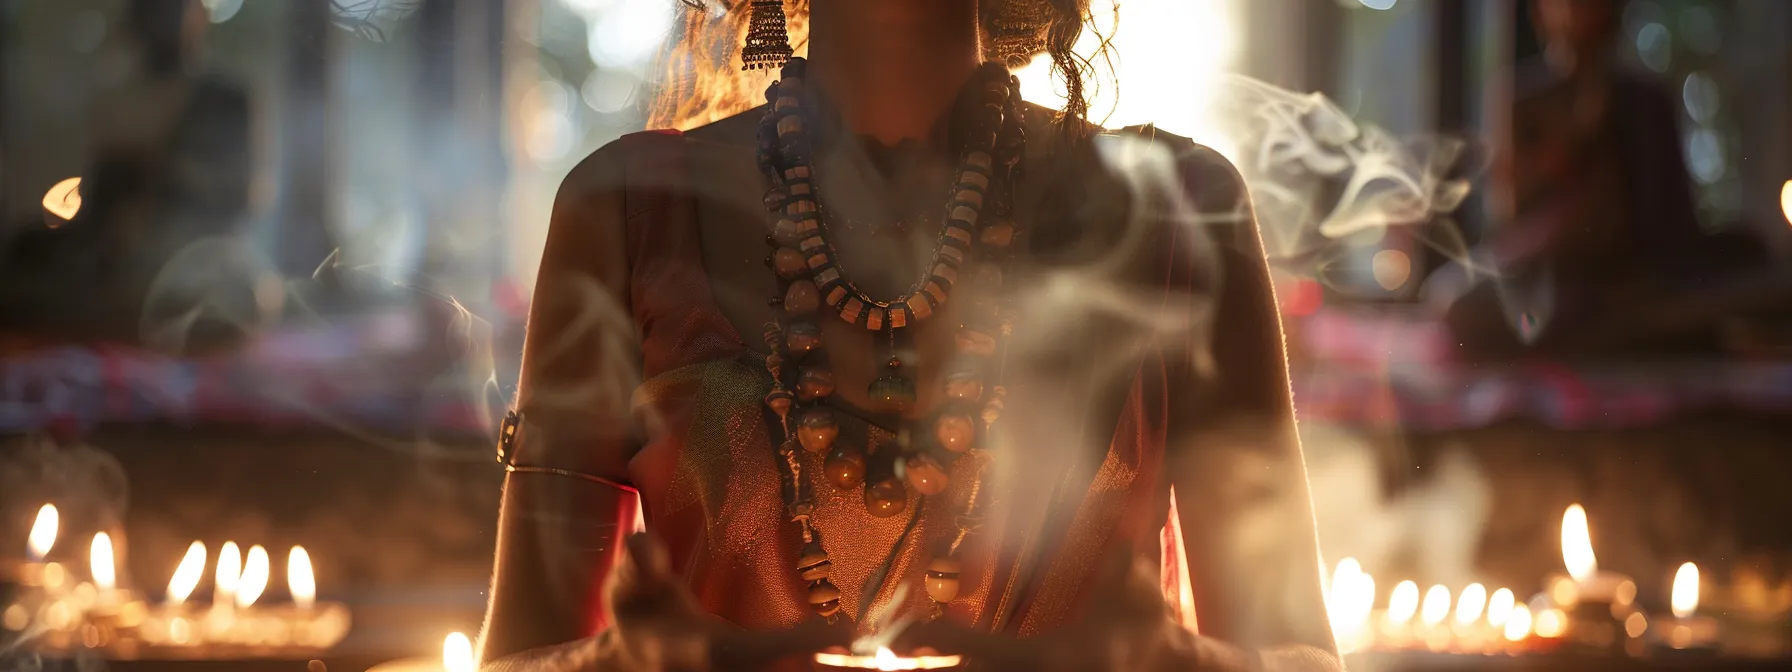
x: 964, y: 386
x: 779, y: 400
x: 955, y: 432
x: 814, y: 382
x: 999, y: 234
x: 787, y: 233
x: 942, y: 579
x: 814, y: 564
x: 924, y: 475
x: 886, y: 498
x: 802, y: 298
x: 817, y: 429
x: 802, y: 338
x: 845, y: 467
x: 790, y: 264
x: 974, y: 341
x: 824, y: 598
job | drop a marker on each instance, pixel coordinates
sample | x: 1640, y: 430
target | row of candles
x: 48, y: 606
x: 1588, y: 606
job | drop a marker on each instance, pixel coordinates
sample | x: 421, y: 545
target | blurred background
x: 1534, y: 255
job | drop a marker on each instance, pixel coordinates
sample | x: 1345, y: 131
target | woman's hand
x: 658, y: 625
x: 1127, y: 626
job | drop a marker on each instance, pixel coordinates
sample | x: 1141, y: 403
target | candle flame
x: 229, y: 572
x: 63, y: 200
x: 1499, y: 607
x: 1436, y: 605
x: 1577, y: 544
x: 254, y: 578
x: 1349, y: 602
x: 300, y: 580
x: 1786, y: 200
x: 100, y: 563
x: 187, y: 574
x: 1685, y: 598
x: 1403, y: 603
x: 1519, y: 625
x: 1470, y: 603
x: 43, y: 532
x: 887, y: 660
x: 457, y: 653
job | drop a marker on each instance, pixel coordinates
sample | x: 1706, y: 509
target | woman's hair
x: 700, y: 79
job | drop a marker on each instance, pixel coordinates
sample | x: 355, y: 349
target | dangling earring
x: 768, y: 41
x: 1017, y: 32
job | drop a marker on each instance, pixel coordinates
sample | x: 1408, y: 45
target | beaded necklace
x: 973, y: 249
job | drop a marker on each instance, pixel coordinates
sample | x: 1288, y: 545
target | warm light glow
x: 1436, y: 606
x: 1349, y: 602
x: 1391, y: 268
x: 1577, y: 544
x: 1403, y: 603
x: 1636, y: 624
x: 43, y: 533
x: 1469, y: 605
x: 1519, y: 625
x: 300, y: 581
x: 1499, y: 607
x: 457, y: 653
x: 1183, y: 47
x: 229, y: 572
x: 1550, y: 623
x: 885, y: 659
x: 255, y: 577
x: 1685, y: 597
x: 63, y: 200
x: 1786, y: 200
x: 100, y: 563
x: 187, y: 575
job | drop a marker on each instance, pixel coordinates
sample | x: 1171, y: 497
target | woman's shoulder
x: 652, y: 149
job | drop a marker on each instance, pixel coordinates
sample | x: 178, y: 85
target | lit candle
x: 457, y: 656
x: 300, y: 581
x: 1471, y: 632
x: 1432, y: 612
x: 187, y: 574
x: 43, y: 533
x: 1686, y: 631
x: 885, y: 659
x: 1349, y: 603
x: 254, y: 579
x: 1403, y: 604
x: 1593, y: 603
x: 103, y: 567
x: 228, y: 573
x: 35, y: 571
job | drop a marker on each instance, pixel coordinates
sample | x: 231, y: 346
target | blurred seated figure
x: 1603, y: 220
x: 169, y: 168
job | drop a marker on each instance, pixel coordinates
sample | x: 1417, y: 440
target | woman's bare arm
x: 559, y: 535
x: 1235, y: 460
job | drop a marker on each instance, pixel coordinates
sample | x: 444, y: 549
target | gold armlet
x: 510, y: 433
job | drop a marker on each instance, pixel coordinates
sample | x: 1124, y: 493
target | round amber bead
x: 814, y: 382
x: 824, y: 598
x: 886, y: 498
x: 964, y: 386
x: 789, y: 263
x: 845, y: 467
x: 802, y: 298
x: 814, y: 564
x: 955, y: 432
x: 925, y: 475
x: 817, y: 429
x: 802, y: 338
x: 942, y: 579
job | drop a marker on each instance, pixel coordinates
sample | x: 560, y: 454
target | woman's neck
x: 892, y: 67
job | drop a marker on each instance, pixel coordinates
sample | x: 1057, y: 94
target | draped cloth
x: 710, y: 485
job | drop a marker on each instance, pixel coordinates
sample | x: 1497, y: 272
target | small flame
x: 1577, y: 544
x: 1499, y: 607
x: 100, y: 562
x: 1685, y: 597
x: 1436, y: 606
x: 63, y: 200
x: 300, y: 580
x: 187, y: 574
x: 43, y: 532
x: 255, y: 577
x: 457, y: 653
x: 1519, y: 625
x: 1403, y: 603
x: 1470, y: 604
x: 1786, y: 200
x: 1351, y: 599
x: 229, y: 572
